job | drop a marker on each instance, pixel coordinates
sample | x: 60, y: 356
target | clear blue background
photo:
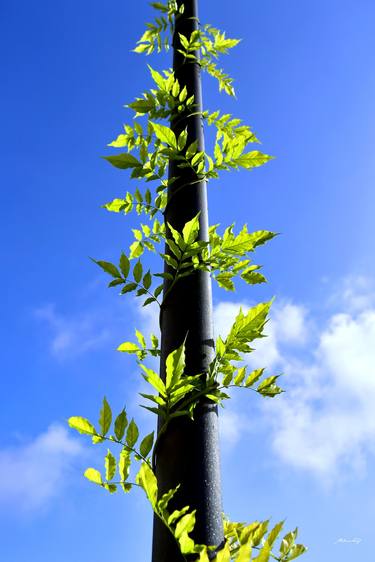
x: 305, y: 81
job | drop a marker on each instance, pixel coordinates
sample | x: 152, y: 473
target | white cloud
x: 289, y: 321
x: 324, y: 423
x: 71, y: 336
x: 32, y: 474
x: 347, y: 349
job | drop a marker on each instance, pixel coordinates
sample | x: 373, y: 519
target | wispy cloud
x: 72, y: 335
x: 32, y: 474
x: 354, y: 293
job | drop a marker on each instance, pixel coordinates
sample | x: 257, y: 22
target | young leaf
x: 253, y: 377
x: 120, y: 425
x: 252, y: 159
x: 164, y: 134
x: 191, y: 230
x: 137, y: 272
x: 240, y: 376
x: 185, y: 524
x: 132, y: 434
x: 175, y: 366
x: 93, y: 475
x: 108, y: 268
x: 110, y: 465
x: 124, y: 265
x: 153, y: 378
x: 124, y: 464
x: 147, y: 479
x: 128, y: 347
x: 146, y: 444
x: 123, y: 161
x: 105, y: 417
x: 140, y: 338
x: 82, y: 425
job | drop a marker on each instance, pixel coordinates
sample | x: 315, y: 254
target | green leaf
x: 105, y: 417
x: 220, y: 347
x: 170, y: 261
x: 240, y: 376
x: 248, y: 327
x: 146, y: 444
x: 128, y: 347
x: 269, y: 381
x: 296, y: 551
x: 192, y: 149
x: 110, y: 465
x: 82, y: 425
x: 128, y: 288
x: 115, y: 283
x: 224, y: 554
x: 93, y: 475
x: 185, y: 524
x: 141, y: 339
x: 138, y: 272
x: 253, y: 377
x: 115, y: 206
x: 164, y: 501
x: 120, y: 425
x: 182, y: 140
x: 252, y: 159
x: 153, y: 378
x: 175, y: 366
x: 136, y: 249
x: 274, y: 533
x: 147, y: 279
x: 253, y: 277
x: 164, y: 134
x: 157, y: 78
x: 191, y: 230
x: 177, y: 513
x: 123, y: 161
x: 147, y: 479
x: 124, y: 265
x: 154, y: 341
x: 124, y: 464
x: 264, y: 554
x: 132, y: 434
x: 137, y: 234
x: 244, y: 553
x: 108, y: 268
x: 141, y: 106
x: 225, y: 281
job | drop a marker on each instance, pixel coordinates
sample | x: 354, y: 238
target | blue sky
x: 305, y: 82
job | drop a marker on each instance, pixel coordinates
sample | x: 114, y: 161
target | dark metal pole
x: 188, y: 452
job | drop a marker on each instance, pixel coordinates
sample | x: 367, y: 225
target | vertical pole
x: 188, y: 452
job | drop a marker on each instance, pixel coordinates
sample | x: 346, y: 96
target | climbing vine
x: 148, y: 145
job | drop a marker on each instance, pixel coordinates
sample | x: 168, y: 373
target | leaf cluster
x: 147, y: 148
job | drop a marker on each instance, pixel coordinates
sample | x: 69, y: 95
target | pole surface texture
x: 188, y: 452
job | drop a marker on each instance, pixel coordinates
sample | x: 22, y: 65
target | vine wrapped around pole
x: 188, y: 451
x: 179, y: 472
